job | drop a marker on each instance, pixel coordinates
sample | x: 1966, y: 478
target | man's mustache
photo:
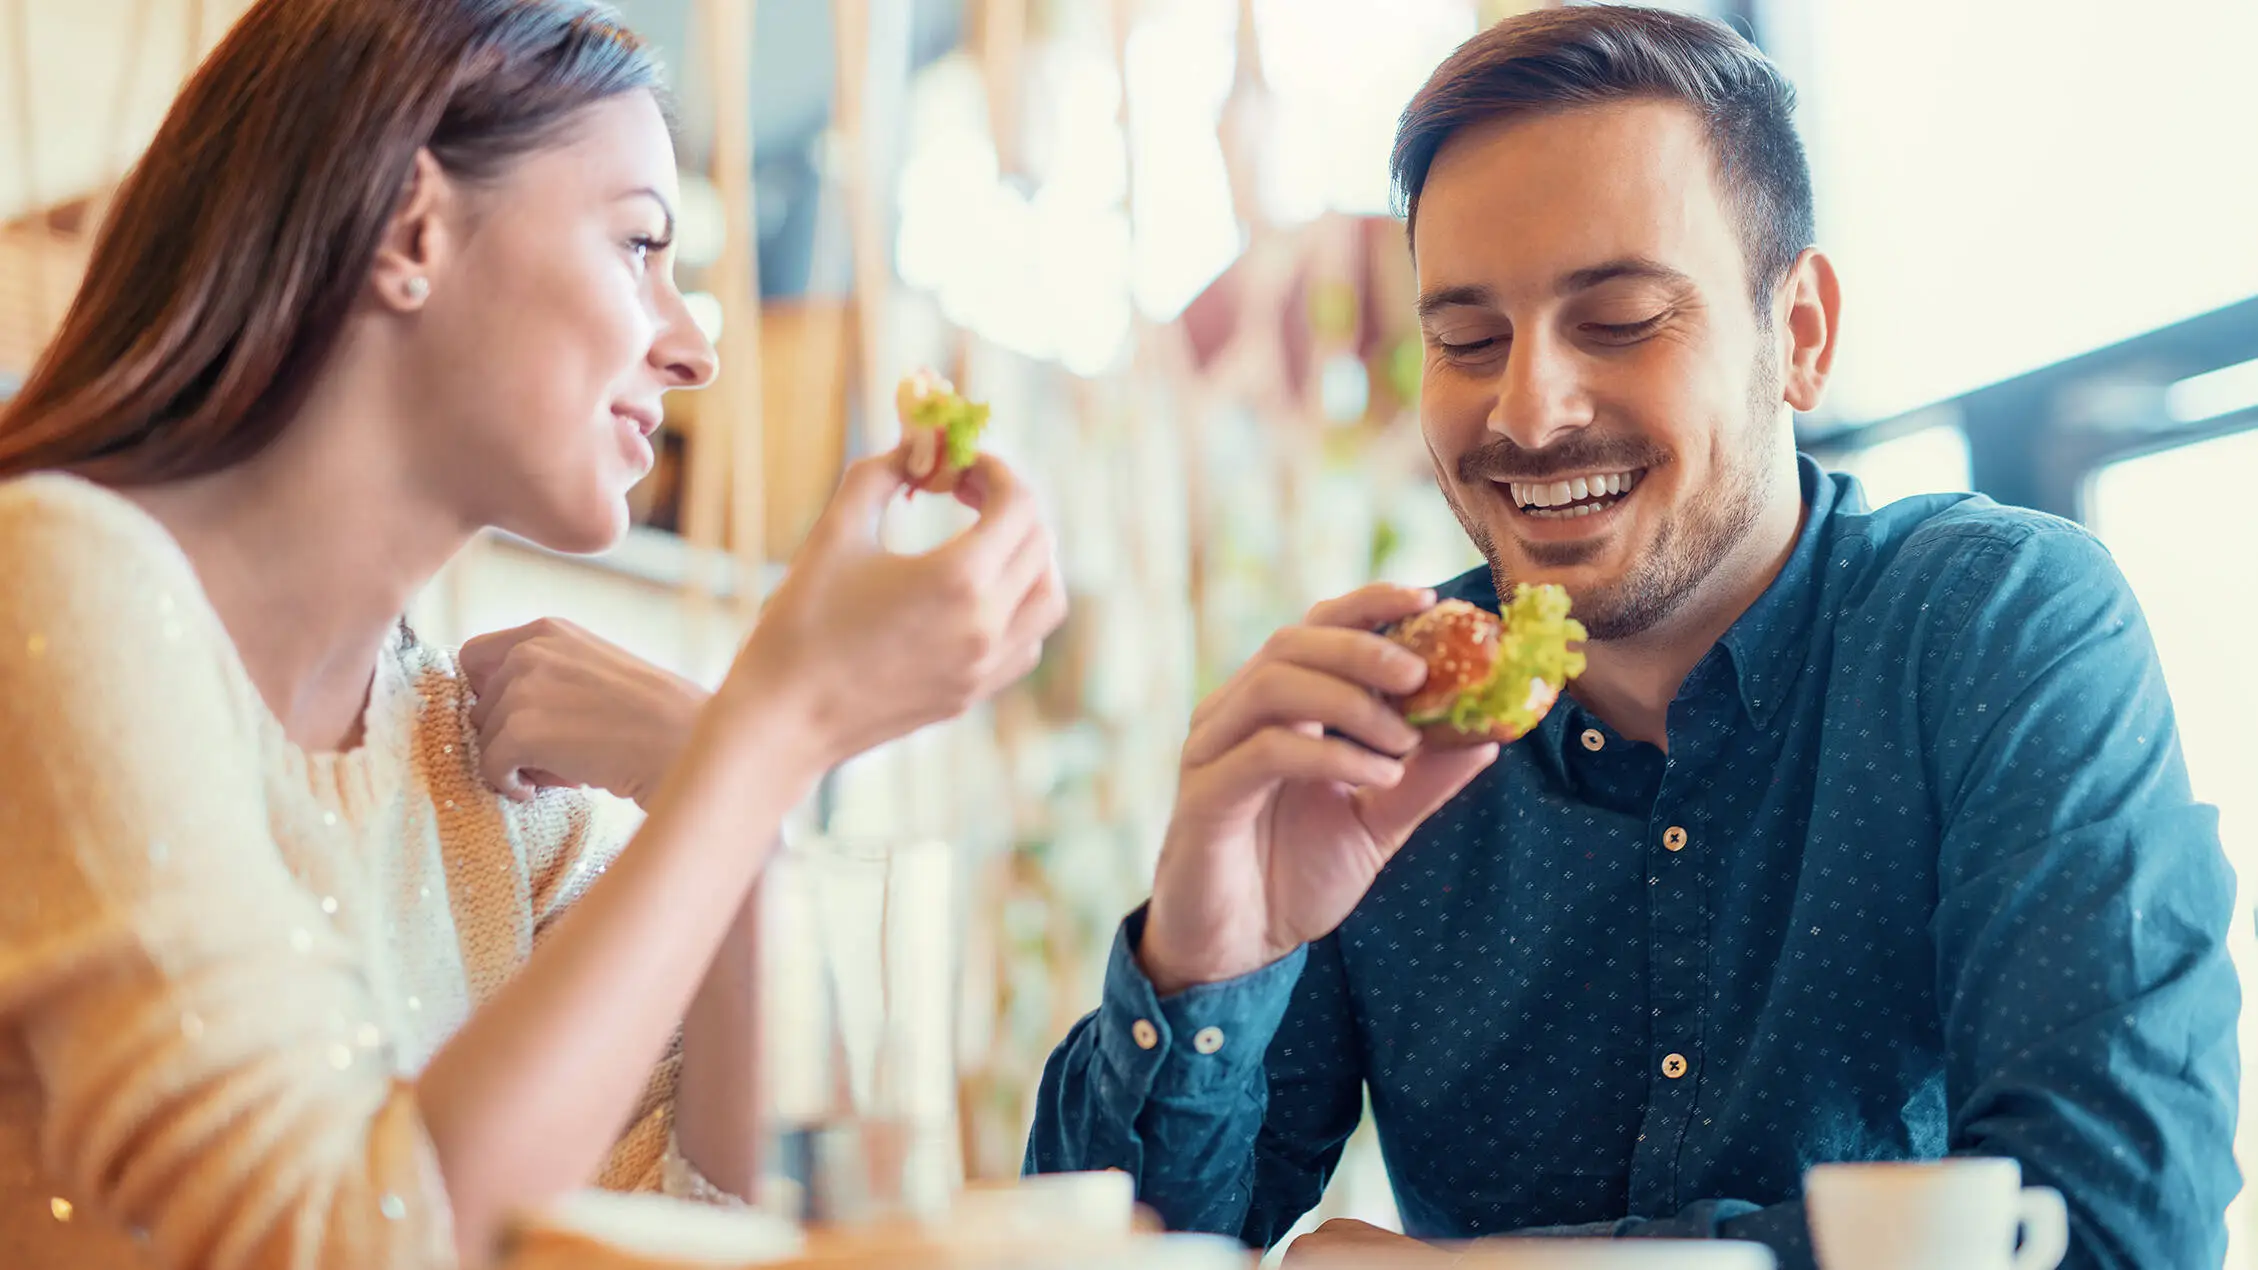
x: 1505, y: 459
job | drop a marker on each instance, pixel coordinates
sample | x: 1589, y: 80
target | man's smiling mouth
x: 1572, y: 497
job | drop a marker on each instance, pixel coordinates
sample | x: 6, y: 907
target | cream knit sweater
x: 222, y: 958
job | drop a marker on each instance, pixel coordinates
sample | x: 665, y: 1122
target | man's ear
x: 1811, y: 304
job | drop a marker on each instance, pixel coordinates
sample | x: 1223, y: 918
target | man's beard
x: 1688, y: 546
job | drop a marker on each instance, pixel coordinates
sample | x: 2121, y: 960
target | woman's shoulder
x: 45, y: 511
x: 89, y: 565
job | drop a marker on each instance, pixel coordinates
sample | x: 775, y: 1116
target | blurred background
x: 1155, y: 234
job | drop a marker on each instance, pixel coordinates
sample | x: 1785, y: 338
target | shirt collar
x: 1769, y: 644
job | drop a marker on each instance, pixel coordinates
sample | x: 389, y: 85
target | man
x: 1866, y: 835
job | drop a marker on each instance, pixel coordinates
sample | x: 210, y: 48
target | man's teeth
x: 1554, y: 499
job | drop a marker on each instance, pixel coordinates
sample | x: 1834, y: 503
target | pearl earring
x: 418, y: 289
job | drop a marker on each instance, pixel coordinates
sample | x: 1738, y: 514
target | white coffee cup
x: 1966, y: 1213
x: 1615, y: 1254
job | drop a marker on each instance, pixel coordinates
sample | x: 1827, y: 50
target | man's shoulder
x: 1969, y: 583
x: 1941, y: 547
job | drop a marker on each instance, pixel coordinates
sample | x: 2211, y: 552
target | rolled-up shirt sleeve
x: 1228, y: 1102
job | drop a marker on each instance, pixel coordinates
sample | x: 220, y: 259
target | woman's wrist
x: 764, y: 714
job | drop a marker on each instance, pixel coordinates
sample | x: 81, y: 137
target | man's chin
x: 1580, y: 566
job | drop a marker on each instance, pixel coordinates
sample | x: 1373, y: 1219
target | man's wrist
x: 1171, y: 974
x: 1208, y: 1038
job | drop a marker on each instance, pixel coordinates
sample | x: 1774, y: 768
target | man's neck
x: 1630, y: 683
x: 310, y: 552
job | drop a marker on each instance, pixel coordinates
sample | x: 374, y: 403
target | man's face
x: 1601, y: 398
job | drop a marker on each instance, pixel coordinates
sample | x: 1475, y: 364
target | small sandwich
x: 941, y: 428
x: 1490, y: 680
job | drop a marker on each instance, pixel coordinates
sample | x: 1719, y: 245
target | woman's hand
x: 868, y: 645
x: 558, y: 706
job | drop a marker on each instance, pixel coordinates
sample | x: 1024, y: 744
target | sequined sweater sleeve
x: 169, y: 986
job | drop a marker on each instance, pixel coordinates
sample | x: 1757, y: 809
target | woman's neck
x: 310, y: 552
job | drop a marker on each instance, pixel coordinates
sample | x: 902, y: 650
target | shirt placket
x: 1677, y: 967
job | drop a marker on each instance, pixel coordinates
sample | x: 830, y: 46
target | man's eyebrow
x: 1627, y: 267
x: 1454, y: 297
x: 1637, y: 267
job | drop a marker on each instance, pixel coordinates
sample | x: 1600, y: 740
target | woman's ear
x: 412, y: 256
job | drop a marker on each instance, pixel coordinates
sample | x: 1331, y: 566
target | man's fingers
x: 1281, y: 694
x: 1282, y: 754
x: 1371, y: 606
x: 1369, y: 661
x: 1431, y: 777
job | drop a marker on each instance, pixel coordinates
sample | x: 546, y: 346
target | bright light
x: 705, y: 310
x: 1931, y: 461
x: 2008, y: 183
x: 2222, y: 392
x: 1052, y: 273
x: 703, y: 227
x: 1045, y: 274
x: 1343, y: 70
x: 1179, y: 64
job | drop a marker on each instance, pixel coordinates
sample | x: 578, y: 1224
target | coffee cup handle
x: 2046, y: 1229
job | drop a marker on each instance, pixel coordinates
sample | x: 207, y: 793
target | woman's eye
x: 645, y: 246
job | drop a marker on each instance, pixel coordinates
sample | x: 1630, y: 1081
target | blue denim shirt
x: 1920, y: 874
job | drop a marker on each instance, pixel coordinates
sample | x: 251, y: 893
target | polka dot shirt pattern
x: 1921, y: 873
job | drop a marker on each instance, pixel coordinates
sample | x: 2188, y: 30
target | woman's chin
x: 582, y: 531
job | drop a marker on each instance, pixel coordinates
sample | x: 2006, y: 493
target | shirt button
x: 1593, y: 741
x: 1144, y: 1034
x: 1674, y: 839
x: 1674, y: 1065
x: 1208, y: 1040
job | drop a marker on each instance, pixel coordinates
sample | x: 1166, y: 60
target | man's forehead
x: 1539, y: 197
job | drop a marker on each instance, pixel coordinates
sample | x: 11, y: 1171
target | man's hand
x: 1280, y: 828
x: 558, y: 706
x: 1347, y: 1242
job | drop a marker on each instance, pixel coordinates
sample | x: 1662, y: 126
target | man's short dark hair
x: 1552, y: 60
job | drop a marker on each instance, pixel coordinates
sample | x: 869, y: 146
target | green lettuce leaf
x: 1534, y: 646
x: 960, y: 422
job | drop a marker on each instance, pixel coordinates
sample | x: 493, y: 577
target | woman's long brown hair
x: 237, y: 245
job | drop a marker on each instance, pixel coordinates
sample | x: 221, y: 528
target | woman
x: 283, y: 981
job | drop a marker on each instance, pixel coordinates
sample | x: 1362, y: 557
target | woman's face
x: 551, y: 329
